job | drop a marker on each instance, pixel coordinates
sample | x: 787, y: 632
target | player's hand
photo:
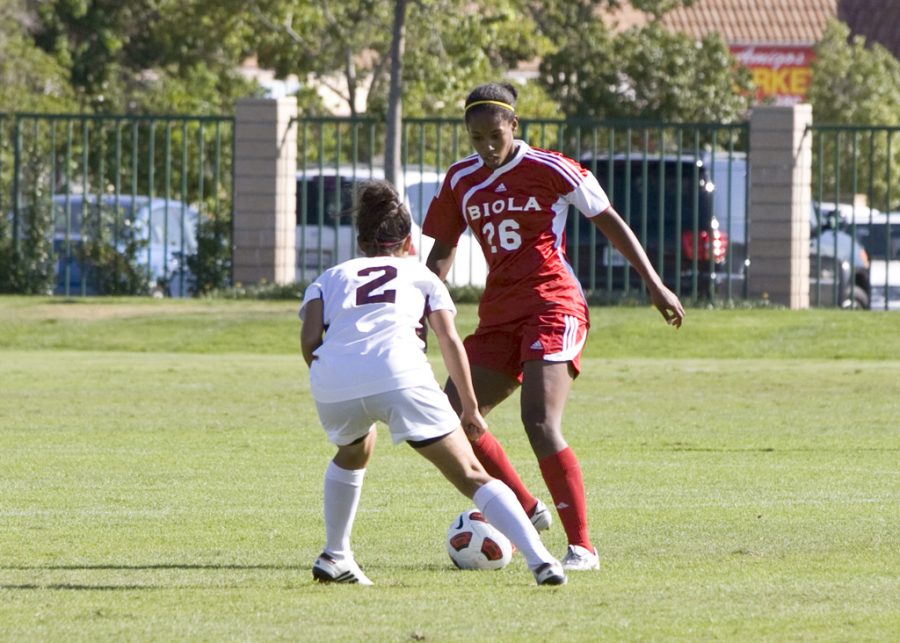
x: 473, y: 424
x: 668, y: 304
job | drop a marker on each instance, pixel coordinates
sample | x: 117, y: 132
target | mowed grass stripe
x: 264, y: 327
x: 175, y: 494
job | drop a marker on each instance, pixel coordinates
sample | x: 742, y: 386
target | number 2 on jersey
x: 366, y: 294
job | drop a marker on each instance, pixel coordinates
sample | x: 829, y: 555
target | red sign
x: 781, y: 73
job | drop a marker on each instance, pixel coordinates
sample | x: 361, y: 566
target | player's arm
x: 440, y: 259
x: 444, y: 224
x: 457, y: 363
x: 313, y: 329
x: 611, y: 224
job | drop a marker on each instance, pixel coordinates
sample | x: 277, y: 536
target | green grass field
x: 161, y: 469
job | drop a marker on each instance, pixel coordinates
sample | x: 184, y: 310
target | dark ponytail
x: 382, y: 219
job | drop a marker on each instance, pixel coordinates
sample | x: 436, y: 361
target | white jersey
x: 372, y: 309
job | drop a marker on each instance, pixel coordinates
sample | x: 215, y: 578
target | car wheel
x: 860, y: 299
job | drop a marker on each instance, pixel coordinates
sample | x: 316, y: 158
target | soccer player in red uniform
x: 533, y: 316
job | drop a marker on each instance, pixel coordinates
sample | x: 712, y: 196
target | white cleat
x: 541, y: 517
x: 328, y: 570
x: 580, y: 559
x: 550, y: 574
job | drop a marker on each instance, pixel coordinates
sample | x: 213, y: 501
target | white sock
x: 501, y: 508
x: 343, y: 488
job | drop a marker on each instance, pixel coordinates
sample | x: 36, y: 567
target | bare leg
x: 453, y: 456
x: 492, y: 388
x: 545, y: 389
x: 357, y: 454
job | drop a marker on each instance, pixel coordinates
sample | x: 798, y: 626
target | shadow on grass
x: 122, y: 587
x: 145, y: 567
x: 74, y: 587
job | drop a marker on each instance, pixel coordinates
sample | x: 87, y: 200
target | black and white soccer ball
x: 473, y: 543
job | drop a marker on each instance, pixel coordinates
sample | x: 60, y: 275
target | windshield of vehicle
x: 126, y: 218
x: 878, y: 242
x: 328, y: 200
x: 167, y: 223
x: 63, y: 224
x: 729, y: 176
x: 653, y: 195
x: 118, y: 218
x: 649, y: 191
x: 322, y: 199
x: 419, y: 196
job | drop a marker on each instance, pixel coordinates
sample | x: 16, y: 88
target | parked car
x: 326, y: 235
x: 163, y: 233
x: 701, y: 239
x: 839, y: 263
x: 879, y: 232
x: 694, y: 235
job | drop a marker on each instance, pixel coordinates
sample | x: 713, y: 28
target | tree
x: 394, y: 118
x: 856, y: 84
x: 450, y: 45
x: 145, y: 54
x: 417, y: 59
x: 342, y: 45
x: 346, y: 47
x: 655, y: 8
x: 30, y: 79
x: 853, y: 82
x: 647, y: 72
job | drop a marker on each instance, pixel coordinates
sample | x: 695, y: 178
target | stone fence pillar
x: 780, y: 193
x: 265, y: 188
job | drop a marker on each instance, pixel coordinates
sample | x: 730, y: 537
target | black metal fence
x: 856, y: 196
x: 682, y: 188
x: 114, y: 204
x: 143, y: 204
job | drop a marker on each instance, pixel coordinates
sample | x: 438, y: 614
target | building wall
x: 876, y: 20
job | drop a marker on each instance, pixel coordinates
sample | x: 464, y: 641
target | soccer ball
x: 473, y: 543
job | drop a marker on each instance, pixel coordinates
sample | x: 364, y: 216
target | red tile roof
x: 762, y: 21
x: 774, y: 21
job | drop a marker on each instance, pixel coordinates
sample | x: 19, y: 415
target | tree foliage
x: 132, y: 56
x: 342, y: 44
x: 854, y: 83
x: 30, y: 78
x: 655, y: 8
x: 646, y: 72
x: 183, y: 55
x: 450, y: 45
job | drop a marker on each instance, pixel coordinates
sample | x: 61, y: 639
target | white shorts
x: 417, y: 413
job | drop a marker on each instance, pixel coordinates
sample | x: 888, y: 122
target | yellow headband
x: 490, y: 102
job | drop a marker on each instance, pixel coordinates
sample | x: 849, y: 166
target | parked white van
x: 879, y: 232
x: 325, y: 231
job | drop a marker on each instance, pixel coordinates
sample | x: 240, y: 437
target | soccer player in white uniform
x: 367, y: 364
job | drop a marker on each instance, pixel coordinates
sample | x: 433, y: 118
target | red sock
x: 562, y: 473
x: 494, y: 460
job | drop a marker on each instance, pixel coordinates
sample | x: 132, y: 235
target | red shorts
x: 551, y: 338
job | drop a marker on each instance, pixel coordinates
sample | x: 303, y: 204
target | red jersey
x: 518, y: 214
